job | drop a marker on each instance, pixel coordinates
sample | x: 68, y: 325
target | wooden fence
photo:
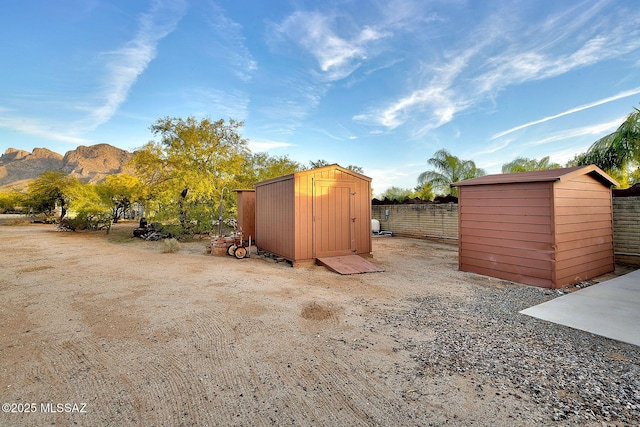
x: 626, y: 229
x: 440, y: 221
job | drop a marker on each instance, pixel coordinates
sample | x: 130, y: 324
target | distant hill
x: 89, y: 164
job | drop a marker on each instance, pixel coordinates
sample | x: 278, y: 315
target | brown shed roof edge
x: 328, y: 167
x: 547, y: 175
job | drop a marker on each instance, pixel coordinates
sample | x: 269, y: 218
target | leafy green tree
x: 447, y: 170
x: 85, y: 197
x: 49, y: 190
x: 634, y: 177
x: 119, y: 192
x: 423, y: 192
x: 260, y: 167
x: 396, y: 193
x: 188, y: 168
x: 618, y: 151
x: 524, y: 164
x: 321, y: 163
x: 318, y: 164
x: 11, y: 200
x: 92, y: 211
x: 356, y: 169
x: 578, y: 160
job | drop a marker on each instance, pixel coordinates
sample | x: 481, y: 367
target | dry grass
x: 15, y: 221
x: 170, y: 246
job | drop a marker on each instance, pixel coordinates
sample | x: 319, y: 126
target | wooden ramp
x: 348, y: 264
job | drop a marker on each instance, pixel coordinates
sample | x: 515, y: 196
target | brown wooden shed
x: 316, y: 213
x: 247, y: 213
x: 549, y: 228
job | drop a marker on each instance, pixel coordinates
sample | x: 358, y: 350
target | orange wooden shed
x: 549, y: 228
x: 316, y: 213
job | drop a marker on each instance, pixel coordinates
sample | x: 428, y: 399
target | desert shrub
x: 87, y: 221
x: 168, y: 230
x: 49, y: 219
x: 170, y: 246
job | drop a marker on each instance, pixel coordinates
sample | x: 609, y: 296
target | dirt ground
x: 124, y: 334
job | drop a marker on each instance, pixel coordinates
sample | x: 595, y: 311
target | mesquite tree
x: 186, y: 170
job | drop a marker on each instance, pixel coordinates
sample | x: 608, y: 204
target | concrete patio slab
x: 610, y: 309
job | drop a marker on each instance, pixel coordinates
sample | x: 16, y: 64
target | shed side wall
x: 584, y: 230
x: 247, y: 213
x: 275, y: 217
x: 505, y: 231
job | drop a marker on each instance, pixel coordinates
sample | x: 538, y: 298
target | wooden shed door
x: 334, y: 227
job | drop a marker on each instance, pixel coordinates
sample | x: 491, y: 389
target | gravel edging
x: 573, y: 375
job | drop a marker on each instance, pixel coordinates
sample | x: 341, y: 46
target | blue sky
x: 378, y: 84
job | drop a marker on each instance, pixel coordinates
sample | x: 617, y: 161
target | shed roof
x: 548, y: 175
x: 320, y: 169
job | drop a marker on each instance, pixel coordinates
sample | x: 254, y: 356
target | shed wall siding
x: 334, y: 230
x: 275, y: 217
x: 285, y: 209
x: 361, y: 210
x: 246, y: 213
x: 362, y: 213
x: 583, y: 230
x: 505, y: 231
x: 304, y: 202
x: 304, y: 213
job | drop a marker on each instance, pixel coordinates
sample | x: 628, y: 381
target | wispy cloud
x: 219, y: 103
x: 295, y: 97
x: 337, y: 55
x: 266, y: 145
x: 232, y: 44
x: 594, y: 129
x: 435, y: 104
x: 38, y: 128
x: 337, y: 50
x: 122, y: 67
x: 386, y: 177
x: 126, y: 64
x: 616, y: 97
x: 494, y: 148
x: 561, y: 153
x: 562, y: 157
x: 498, y: 54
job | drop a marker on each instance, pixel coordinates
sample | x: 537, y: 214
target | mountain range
x: 89, y: 164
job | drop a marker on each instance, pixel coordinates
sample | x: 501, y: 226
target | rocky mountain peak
x: 88, y: 163
x: 13, y: 154
x: 45, y: 153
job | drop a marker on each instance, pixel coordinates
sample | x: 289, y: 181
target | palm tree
x: 448, y: 169
x: 523, y: 164
x: 619, y: 150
